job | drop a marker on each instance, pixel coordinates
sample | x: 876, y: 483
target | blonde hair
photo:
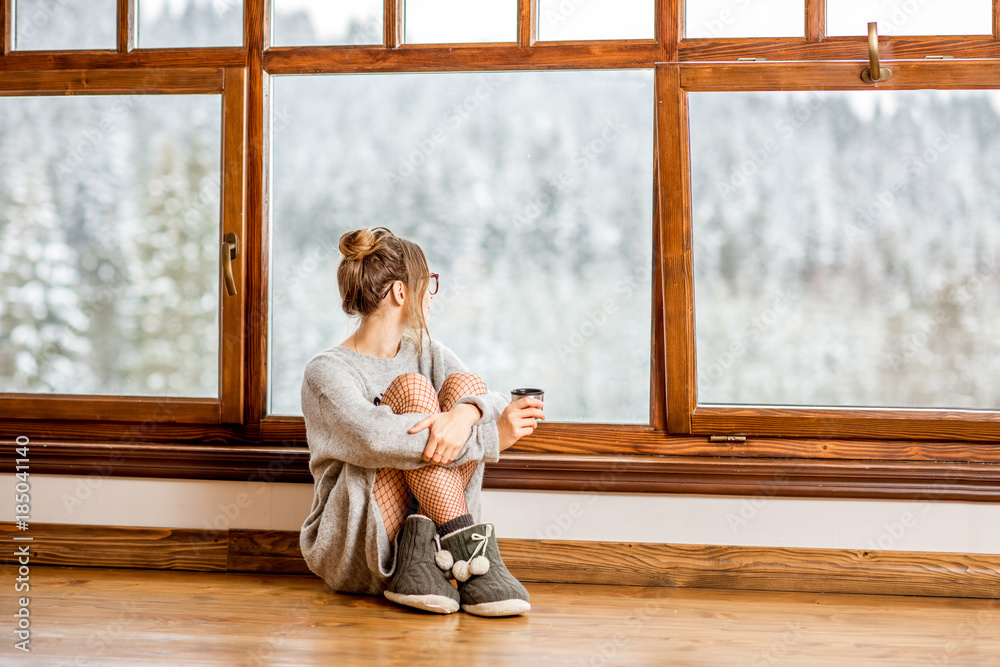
x: 373, y: 259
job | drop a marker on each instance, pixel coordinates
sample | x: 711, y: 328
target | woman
x: 398, y: 433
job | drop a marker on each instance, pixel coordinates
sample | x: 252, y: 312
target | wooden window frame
x: 228, y: 84
x: 804, y: 458
x: 685, y: 416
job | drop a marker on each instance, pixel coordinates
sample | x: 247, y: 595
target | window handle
x: 874, y: 73
x: 230, y: 247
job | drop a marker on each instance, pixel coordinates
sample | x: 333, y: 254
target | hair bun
x: 359, y: 244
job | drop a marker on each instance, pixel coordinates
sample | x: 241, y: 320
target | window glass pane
x: 910, y: 17
x: 459, y: 21
x: 846, y: 248
x: 707, y: 19
x: 567, y: 20
x: 318, y: 22
x: 530, y: 193
x: 41, y: 25
x: 184, y: 23
x: 109, y: 226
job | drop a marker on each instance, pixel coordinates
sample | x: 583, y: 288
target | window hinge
x: 750, y: 60
x: 727, y: 438
x: 939, y: 57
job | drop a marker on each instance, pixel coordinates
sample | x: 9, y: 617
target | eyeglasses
x: 433, y: 287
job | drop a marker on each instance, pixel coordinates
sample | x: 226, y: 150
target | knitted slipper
x: 485, y: 585
x: 419, y: 581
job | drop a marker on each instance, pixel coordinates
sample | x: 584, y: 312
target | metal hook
x: 882, y: 73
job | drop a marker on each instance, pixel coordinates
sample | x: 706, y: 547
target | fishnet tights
x: 440, y: 491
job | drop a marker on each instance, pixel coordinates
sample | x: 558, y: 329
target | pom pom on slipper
x: 444, y: 559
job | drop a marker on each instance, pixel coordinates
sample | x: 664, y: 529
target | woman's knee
x: 408, y: 381
x: 468, y: 384
x: 463, y: 376
x: 411, y: 392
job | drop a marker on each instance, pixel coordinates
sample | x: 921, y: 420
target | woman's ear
x: 401, y: 295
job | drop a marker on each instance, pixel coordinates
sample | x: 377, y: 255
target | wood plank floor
x: 99, y: 616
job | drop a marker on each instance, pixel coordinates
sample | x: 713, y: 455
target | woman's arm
x: 448, y: 432
x: 485, y: 438
x: 341, y: 424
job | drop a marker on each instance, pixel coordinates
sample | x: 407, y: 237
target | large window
x: 844, y: 252
x: 109, y: 214
x: 531, y: 193
x: 115, y: 203
x: 846, y: 248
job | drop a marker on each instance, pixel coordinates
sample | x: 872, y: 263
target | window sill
x: 679, y: 472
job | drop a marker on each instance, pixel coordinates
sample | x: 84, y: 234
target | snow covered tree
x: 43, y: 340
x: 169, y: 314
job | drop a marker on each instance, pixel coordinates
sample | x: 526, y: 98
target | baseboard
x: 556, y: 561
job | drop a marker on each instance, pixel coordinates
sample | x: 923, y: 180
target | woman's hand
x: 518, y: 420
x: 449, y: 432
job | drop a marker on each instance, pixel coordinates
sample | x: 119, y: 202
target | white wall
x: 678, y: 519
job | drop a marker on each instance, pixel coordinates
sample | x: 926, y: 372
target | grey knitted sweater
x: 344, y: 540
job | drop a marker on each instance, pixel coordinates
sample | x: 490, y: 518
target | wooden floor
x: 97, y: 616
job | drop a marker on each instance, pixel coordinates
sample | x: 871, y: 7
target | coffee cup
x: 527, y: 391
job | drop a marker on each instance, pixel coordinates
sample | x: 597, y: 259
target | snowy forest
x: 845, y: 245
x: 109, y: 220
x: 846, y: 248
